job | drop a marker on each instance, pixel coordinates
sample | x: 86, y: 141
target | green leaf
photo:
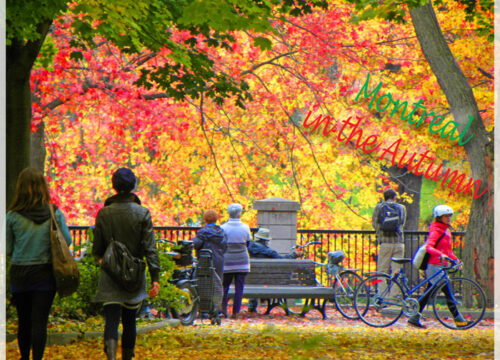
x: 76, y: 55
x: 263, y: 43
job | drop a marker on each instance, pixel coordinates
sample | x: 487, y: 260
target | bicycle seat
x: 401, y: 260
x: 336, y: 257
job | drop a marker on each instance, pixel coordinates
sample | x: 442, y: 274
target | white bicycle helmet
x: 441, y: 210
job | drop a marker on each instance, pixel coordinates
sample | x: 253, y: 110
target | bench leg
x: 322, y: 308
x: 282, y: 303
x: 284, y: 306
x: 310, y: 304
x: 272, y: 303
x: 278, y: 302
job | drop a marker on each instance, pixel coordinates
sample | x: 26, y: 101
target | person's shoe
x: 236, y: 316
x: 110, y: 348
x: 252, y: 310
x: 415, y: 321
x: 461, y: 322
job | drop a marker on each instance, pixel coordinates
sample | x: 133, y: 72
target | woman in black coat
x: 213, y: 238
x: 125, y: 220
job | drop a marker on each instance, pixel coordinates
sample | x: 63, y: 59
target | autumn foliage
x: 196, y: 154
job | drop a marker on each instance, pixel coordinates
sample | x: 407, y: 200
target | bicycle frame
x: 400, y: 278
x: 409, y: 292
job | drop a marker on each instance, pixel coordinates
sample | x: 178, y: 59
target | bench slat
x: 286, y: 272
x: 286, y: 292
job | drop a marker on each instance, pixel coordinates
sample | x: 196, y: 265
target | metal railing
x: 360, y: 246
x: 81, y: 235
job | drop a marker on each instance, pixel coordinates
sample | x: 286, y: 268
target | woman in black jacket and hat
x: 213, y: 238
x: 124, y: 219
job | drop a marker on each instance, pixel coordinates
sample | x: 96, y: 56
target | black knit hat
x: 123, y: 180
x: 389, y: 194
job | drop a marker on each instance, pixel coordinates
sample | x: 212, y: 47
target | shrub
x: 79, y: 305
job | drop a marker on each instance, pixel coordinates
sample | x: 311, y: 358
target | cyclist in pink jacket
x: 440, y: 248
x: 439, y: 244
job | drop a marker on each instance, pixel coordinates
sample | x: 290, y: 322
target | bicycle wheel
x: 344, y: 289
x: 466, y: 296
x: 189, y: 304
x: 378, y: 300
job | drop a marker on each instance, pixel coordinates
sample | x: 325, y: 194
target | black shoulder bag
x: 124, y: 268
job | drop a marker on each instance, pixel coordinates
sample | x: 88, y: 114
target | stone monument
x: 280, y: 217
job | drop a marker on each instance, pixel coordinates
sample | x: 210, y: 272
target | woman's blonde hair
x: 210, y: 216
x: 31, y: 191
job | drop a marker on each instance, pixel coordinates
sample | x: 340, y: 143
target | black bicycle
x: 183, y: 278
x: 343, y: 281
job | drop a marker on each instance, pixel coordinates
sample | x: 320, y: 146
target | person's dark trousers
x: 112, y: 314
x: 424, y: 300
x: 33, y: 309
x: 239, y: 284
x: 446, y: 291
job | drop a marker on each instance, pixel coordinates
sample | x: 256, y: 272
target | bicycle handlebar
x: 455, y: 264
x: 320, y: 264
x: 165, y: 241
x: 306, y: 244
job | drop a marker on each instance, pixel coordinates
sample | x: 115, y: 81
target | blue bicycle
x: 383, y: 299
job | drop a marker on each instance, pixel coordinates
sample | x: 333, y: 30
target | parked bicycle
x: 382, y: 299
x: 183, y: 278
x: 343, y: 281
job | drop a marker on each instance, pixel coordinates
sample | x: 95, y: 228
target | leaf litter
x: 280, y: 337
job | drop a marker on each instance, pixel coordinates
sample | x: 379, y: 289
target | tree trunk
x: 410, y: 184
x: 20, y: 58
x: 18, y: 123
x: 478, y: 254
x: 38, y: 151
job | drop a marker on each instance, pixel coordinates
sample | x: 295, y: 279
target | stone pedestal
x: 280, y: 217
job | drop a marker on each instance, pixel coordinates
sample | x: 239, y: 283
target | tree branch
x: 313, y: 154
x: 202, y: 125
x: 255, y: 67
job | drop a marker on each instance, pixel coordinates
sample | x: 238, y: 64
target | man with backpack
x: 388, y: 220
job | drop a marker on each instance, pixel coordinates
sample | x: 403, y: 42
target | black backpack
x: 388, y: 217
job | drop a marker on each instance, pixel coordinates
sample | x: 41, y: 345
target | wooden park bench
x: 277, y: 280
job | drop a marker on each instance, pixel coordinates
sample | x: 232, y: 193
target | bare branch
x: 256, y: 66
x: 202, y: 125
